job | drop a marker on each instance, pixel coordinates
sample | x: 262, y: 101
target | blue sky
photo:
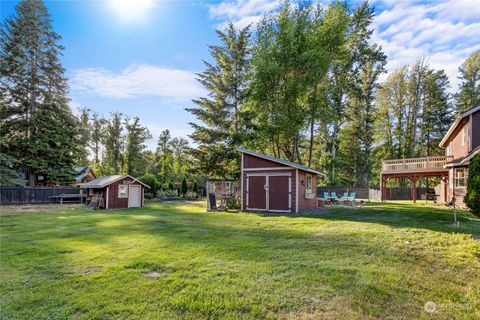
x: 139, y: 57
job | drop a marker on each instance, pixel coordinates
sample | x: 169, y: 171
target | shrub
x: 151, y: 181
x: 148, y: 195
x: 195, y: 187
x: 171, y: 186
x: 184, y: 188
x: 168, y: 194
x: 472, y: 198
x: 232, y: 203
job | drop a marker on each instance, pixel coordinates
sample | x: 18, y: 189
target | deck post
x: 414, y: 189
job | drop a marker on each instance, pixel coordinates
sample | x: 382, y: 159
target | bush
x: 152, y: 182
x: 168, y: 194
x: 472, y: 198
x: 184, y: 188
x: 149, y: 195
x: 232, y: 203
x: 171, y: 186
x: 195, y: 187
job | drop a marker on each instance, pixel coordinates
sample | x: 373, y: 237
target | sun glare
x: 132, y: 10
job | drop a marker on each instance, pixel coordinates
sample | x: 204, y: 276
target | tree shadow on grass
x: 398, y: 216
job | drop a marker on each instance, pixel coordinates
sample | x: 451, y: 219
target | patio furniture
x: 326, y: 196
x: 352, y: 196
x: 344, y: 196
x: 334, y: 198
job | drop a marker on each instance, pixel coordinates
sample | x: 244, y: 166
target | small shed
x: 276, y: 185
x: 117, y: 191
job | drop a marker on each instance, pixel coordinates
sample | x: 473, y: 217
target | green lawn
x: 177, y: 261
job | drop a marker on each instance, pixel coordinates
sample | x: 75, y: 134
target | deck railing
x: 415, y: 164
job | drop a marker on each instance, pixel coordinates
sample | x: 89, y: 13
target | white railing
x: 415, y: 164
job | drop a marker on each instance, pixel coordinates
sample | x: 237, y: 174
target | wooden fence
x: 33, y: 195
x: 374, y: 194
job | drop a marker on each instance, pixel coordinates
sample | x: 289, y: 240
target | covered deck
x: 414, y: 169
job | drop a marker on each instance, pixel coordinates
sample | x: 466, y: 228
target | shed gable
x: 252, y: 162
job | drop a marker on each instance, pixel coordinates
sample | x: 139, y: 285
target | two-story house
x: 461, y: 143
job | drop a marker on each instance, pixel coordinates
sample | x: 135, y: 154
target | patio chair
x: 325, y: 195
x: 344, y: 196
x: 334, y: 198
x: 352, y: 196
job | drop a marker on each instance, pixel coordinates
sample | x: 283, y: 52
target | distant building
x: 84, y: 174
x: 117, y: 191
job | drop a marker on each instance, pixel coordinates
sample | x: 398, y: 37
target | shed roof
x: 281, y: 161
x: 106, y: 180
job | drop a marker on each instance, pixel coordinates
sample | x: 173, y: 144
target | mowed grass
x: 175, y: 261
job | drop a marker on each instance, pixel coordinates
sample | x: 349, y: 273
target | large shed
x: 276, y: 185
x: 117, y: 191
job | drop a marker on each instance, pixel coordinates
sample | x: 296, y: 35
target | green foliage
x: 172, y: 193
x: 195, y: 187
x: 184, y: 187
x: 36, y: 124
x: 414, y: 113
x: 222, y: 126
x: 468, y: 95
x: 114, y: 145
x: 232, y: 203
x: 472, y: 198
x: 171, y: 186
x: 8, y: 176
x: 151, y: 181
x: 135, y: 146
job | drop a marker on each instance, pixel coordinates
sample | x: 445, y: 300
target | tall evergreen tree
x: 36, y: 123
x: 83, y: 136
x: 97, y: 139
x: 135, y: 147
x: 164, y: 156
x: 222, y: 127
x: 113, y: 160
x: 468, y: 95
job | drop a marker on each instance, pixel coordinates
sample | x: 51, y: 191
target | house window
x: 123, y: 190
x: 464, y: 135
x: 309, y: 184
x: 460, y: 178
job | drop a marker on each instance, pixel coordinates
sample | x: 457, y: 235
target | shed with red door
x: 117, y: 191
x: 275, y: 185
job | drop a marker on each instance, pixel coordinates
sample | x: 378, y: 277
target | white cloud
x: 243, y: 12
x: 136, y: 81
x: 444, y: 32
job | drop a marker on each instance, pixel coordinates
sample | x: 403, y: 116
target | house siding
x: 303, y: 203
x: 457, y: 150
x: 475, y: 129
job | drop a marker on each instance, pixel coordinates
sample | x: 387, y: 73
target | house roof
x: 284, y: 162
x: 83, y: 172
x: 455, y: 124
x: 463, y: 161
x: 106, y: 180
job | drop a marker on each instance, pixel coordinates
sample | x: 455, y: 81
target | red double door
x: 269, y: 193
